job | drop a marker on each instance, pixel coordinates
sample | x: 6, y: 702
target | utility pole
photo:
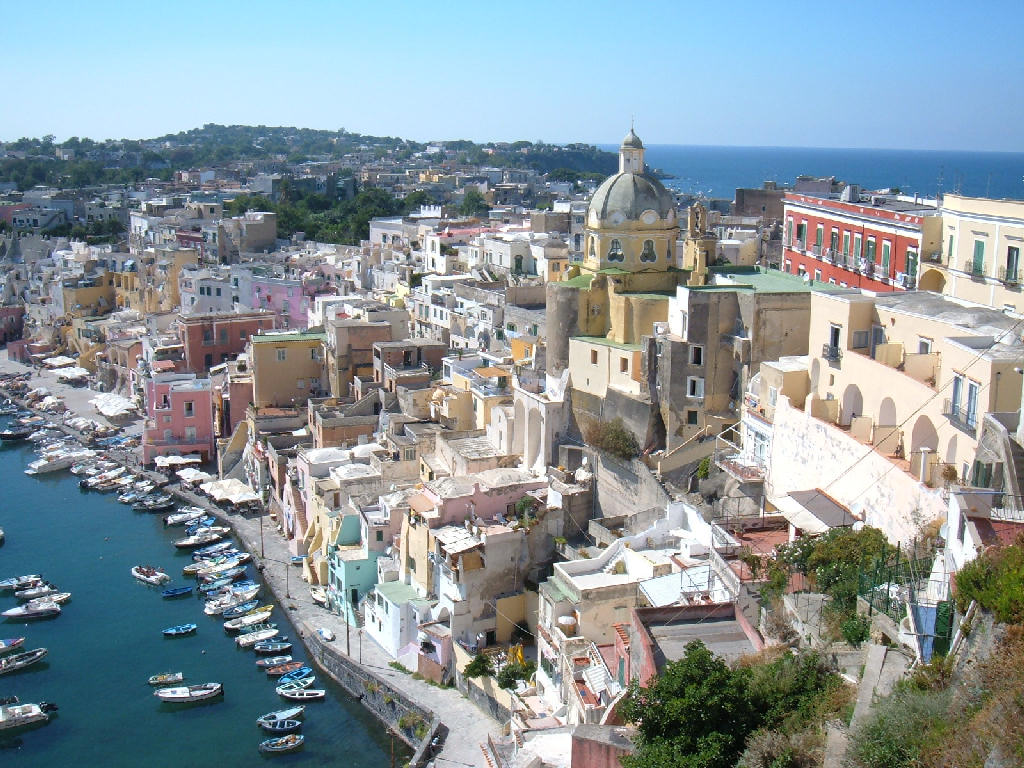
x: 348, y: 647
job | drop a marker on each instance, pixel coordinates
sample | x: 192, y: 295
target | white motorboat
x: 33, y: 610
x: 247, y: 620
x: 150, y: 575
x: 17, y: 715
x: 185, y: 516
x: 20, y: 582
x: 186, y: 694
x: 39, y: 590
x: 57, y: 597
x: 205, y: 536
x: 56, y: 462
x: 230, y: 600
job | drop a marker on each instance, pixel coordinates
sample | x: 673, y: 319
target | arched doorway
x: 852, y: 405
x: 931, y: 280
x: 924, y: 435
x: 887, y: 413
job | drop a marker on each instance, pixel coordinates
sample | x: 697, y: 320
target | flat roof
x: 765, y: 281
x: 724, y: 637
x: 605, y: 342
x: 277, y: 338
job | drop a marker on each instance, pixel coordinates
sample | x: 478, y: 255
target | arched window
x: 615, y: 251
x: 648, y: 253
x: 592, y: 252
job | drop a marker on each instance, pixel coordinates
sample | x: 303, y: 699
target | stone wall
x: 625, y: 487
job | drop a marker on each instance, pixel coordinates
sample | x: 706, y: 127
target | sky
x: 896, y: 74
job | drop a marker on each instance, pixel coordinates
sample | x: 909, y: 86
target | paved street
x: 467, y: 726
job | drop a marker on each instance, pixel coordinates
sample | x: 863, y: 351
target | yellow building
x: 287, y: 368
x: 979, y: 256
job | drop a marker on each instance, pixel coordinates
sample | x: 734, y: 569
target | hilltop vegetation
x: 132, y: 160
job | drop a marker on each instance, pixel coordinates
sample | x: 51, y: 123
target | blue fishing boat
x: 240, y: 610
x: 173, y: 592
x: 272, y: 647
x: 181, y: 629
x: 281, y: 726
x: 299, y: 674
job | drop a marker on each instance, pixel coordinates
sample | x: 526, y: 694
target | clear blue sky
x: 900, y: 73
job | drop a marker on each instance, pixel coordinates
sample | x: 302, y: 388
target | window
x: 819, y: 235
x: 834, y: 240
x: 218, y: 291
x: 957, y: 395
x: 623, y: 365
x: 691, y: 418
x: 593, y: 357
x: 1012, y: 263
x: 696, y: 355
x: 846, y: 243
x: 911, y: 268
x: 801, y: 235
x: 243, y: 334
x: 695, y: 387
x: 978, y: 264
x: 972, y: 403
x: 817, y: 274
x: 789, y: 231
x: 190, y: 434
x: 949, y: 249
x: 870, y: 255
x: 648, y: 253
x: 789, y: 266
x: 300, y: 383
x: 190, y: 409
x: 773, y: 395
x: 223, y: 335
x: 282, y: 355
x: 409, y: 454
x: 857, y: 246
x: 615, y: 251
x: 924, y: 346
x: 168, y: 419
x: 886, y: 252
x: 379, y: 535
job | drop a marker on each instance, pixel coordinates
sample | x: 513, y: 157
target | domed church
x: 601, y: 319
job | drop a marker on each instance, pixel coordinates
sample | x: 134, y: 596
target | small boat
x: 187, y: 694
x: 319, y: 595
x: 288, y: 743
x: 13, y: 434
x: 40, y: 590
x: 250, y: 639
x: 181, y: 629
x: 282, y: 726
x: 33, y: 610
x: 213, y: 569
x: 21, y: 660
x: 151, y: 575
x: 17, y: 715
x: 284, y: 668
x: 241, y: 610
x: 160, y: 503
x: 56, y: 597
x: 229, y: 592
x: 228, y: 576
x: 300, y: 694
x: 167, y: 678
x: 1, y: 535
x: 208, y: 589
x: 10, y: 643
x: 184, y: 516
x: 241, y: 622
x: 302, y: 673
x: 292, y: 713
x: 273, y: 661
x: 221, y: 604
x: 281, y: 645
x: 326, y: 634
x: 170, y: 594
x: 205, y: 536
x: 20, y: 582
x: 213, y: 549
x: 256, y: 628
x: 197, y: 525
x: 289, y: 685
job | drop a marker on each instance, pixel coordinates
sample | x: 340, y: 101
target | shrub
x: 511, y: 673
x: 898, y: 730
x: 480, y: 666
x: 613, y: 437
x: 855, y: 629
x: 774, y: 749
x: 996, y: 580
x: 704, y: 468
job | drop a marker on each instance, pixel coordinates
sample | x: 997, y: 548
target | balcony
x: 1009, y: 275
x: 974, y: 268
x: 866, y: 267
x: 831, y: 353
x: 738, y: 465
x: 816, y: 251
x: 961, y: 418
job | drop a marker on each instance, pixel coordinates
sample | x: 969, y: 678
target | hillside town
x: 531, y: 438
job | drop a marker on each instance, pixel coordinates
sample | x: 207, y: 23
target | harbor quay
x: 441, y: 725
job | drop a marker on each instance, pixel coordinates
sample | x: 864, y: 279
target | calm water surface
x: 107, y: 642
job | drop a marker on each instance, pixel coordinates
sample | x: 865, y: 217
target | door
x: 978, y: 265
x: 877, y: 337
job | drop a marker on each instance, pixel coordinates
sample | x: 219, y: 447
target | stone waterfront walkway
x: 467, y: 726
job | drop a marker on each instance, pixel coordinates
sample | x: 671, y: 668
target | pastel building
x: 179, y: 416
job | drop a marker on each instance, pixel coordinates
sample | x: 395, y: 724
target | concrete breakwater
x: 416, y: 725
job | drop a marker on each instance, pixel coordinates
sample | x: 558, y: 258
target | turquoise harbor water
x: 107, y: 642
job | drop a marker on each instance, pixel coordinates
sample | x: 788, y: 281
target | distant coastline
x: 719, y: 171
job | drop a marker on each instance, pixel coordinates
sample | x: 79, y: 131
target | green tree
x: 696, y: 714
x: 414, y: 200
x: 480, y: 666
x: 473, y: 203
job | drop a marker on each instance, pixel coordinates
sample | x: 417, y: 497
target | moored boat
x: 33, y: 609
x: 17, y: 715
x: 13, y: 434
x: 20, y: 582
x: 228, y: 576
x: 301, y: 694
x: 273, y: 661
x: 39, y: 590
x: 10, y: 643
x: 167, y: 678
x: 302, y: 673
x: 21, y: 660
x: 291, y: 713
x: 319, y: 595
x: 250, y: 639
x: 288, y: 743
x: 55, y: 597
x: 284, y: 668
x: 277, y: 646
x: 180, y: 629
x: 241, y: 610
x: 241, y: 622
x: 151, y: 574
x: 184, y: 516
x: 326, y: 634
x: 169, y: 594
x: 282, y: 726
x: 187, y: 694
x: 205, y: 536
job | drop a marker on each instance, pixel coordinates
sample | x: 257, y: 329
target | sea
x: 107, y: 642
x: 719, y: 171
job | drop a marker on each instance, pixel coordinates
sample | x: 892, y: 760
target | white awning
x: 193, y: 475
x: 60, y: 361
x: 173, y: 461
x: 798, y: 516
x: 72, y: 372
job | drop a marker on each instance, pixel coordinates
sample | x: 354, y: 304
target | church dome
x: 630, y: 195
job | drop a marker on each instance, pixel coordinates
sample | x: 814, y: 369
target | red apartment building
x: 874, y: 243
x: 211, y: 339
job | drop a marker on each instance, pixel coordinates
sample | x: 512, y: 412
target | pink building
x: 489, y: 495
x: 179, y: 416
x: 284, y: 297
